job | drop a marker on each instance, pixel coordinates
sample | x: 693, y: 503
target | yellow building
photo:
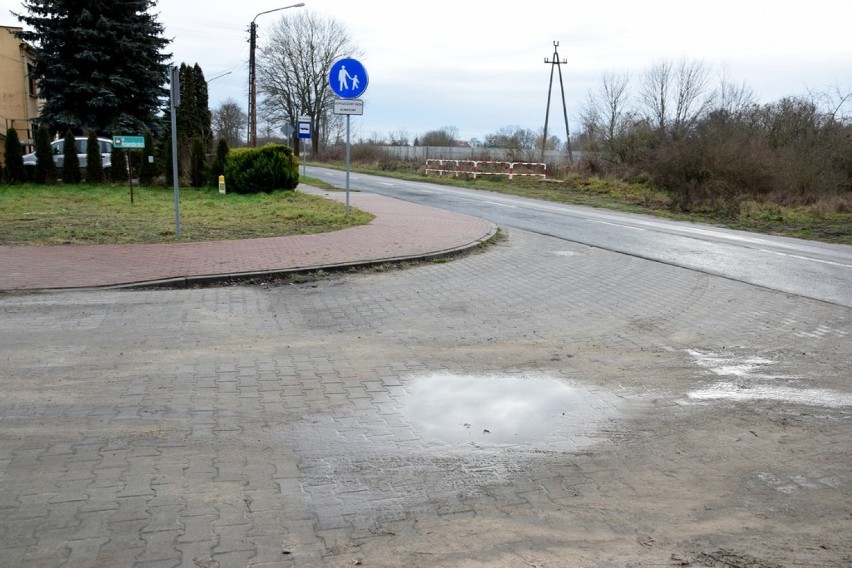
x: 19, y: 102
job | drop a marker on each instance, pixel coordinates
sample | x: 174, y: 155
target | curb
x: 236, y: 277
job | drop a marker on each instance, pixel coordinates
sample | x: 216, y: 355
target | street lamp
x: 218, y: 76
x: 252, y: 110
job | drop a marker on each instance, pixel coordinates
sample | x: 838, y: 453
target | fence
x: 486, y: 168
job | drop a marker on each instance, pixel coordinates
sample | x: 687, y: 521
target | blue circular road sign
x: 348, y: 78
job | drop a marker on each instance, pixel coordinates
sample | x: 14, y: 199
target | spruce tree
x: 45, y: 169
x: 13, y: 157
x: 101, y: 64
x: 94, y: 159
x: 71, y: 162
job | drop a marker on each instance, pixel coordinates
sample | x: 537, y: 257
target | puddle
x: 504, y: 411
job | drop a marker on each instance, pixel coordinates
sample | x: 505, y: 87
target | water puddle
x: 447, y: 409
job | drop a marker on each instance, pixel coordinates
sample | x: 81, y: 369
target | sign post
x: 129, y: 143
x: 305, y: 130
x: 174, y: 100
x: 348, y: 80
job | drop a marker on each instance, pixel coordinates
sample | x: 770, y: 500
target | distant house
x: 20, y: 106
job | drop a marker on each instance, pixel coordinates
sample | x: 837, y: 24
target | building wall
x: 19, y: 105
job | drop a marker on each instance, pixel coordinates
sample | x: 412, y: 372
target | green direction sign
x: 129, y: 142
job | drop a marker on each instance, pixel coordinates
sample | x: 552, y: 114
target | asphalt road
x: 804, y: 268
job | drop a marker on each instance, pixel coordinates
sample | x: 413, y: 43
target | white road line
x: 616, y: 225
x: 796, y: 256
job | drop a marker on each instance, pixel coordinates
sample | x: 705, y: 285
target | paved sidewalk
x: 400, y: 231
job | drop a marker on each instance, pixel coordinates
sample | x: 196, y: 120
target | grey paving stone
x: 223, y: 426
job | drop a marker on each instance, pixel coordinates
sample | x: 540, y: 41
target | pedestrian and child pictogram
x: 348, y: 78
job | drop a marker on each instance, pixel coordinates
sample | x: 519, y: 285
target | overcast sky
x: 479, y: 66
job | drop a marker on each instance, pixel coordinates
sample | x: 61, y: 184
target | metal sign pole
x: 130, y: 173
x: 347, y: 165
x: 348, y: 80
x: 175, y: 102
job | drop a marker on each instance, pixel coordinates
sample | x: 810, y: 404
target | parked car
x: 58, y: 149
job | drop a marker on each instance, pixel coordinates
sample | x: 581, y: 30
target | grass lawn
x: 33, y: 214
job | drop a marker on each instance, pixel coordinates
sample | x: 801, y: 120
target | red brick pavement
x: 400, y: 230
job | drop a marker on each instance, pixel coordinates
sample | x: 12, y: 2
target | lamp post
x: 218, y: 77
x: 252, y: 110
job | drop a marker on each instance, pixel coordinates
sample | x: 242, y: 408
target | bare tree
x: 375, y: 138
x: 606, y: 115
x: 399, y: 138
x: 655, y: 94
x: 512, y: 138
x: 733, y: 99
x: 553, y: 141
x: 836, y: 103
x: 446, y: 136
x: 674, y: 96
x: 293, y: 71
x: 691, y: 99
x: 228, y: 122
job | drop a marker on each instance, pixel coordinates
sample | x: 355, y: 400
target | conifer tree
x: 101, y: 64
x: 217, y: 168
x: 71, y: 162
x: 94, y: 159
x: 45, y: 169
x: 13, y: 157
x: 198, y: 163
x: 194, y: 116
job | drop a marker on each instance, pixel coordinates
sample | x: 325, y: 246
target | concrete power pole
x: 556, y: 63
x: 251, y: 133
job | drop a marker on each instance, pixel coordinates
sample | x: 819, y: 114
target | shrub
x: 45, y: 170
x: 71, y: 163
x: 263, y: 169
x: 94, y: 159
x: 14, y: 157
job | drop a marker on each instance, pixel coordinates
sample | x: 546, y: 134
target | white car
x: 58, y: 149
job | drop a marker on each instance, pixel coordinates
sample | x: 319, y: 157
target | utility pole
x: 556, y: 62
x: 251, y: 135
